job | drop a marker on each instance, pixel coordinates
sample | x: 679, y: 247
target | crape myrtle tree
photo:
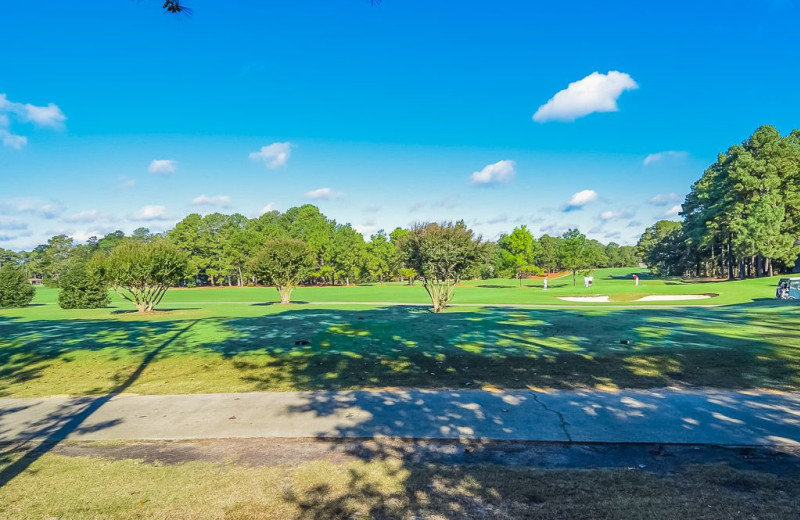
x: 15, y: 291
x: 442, y: 254
x: 84, y: 284
x: 142, y: 272
x: 284, y: 263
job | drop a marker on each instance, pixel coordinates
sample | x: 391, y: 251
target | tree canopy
x: 142, y: 272
x: 284, y: 263
x: 442, y: 254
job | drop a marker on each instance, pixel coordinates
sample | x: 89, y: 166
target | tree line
x: 741, y: 218
x: 299, y: 246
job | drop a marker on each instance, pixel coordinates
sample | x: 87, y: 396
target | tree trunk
x: 239, y: 269
x: 286, y: 294
x: 730, y: 260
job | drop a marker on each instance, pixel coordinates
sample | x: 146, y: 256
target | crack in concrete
x: 563, y: 422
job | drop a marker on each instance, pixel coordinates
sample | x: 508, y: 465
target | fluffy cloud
x: 49, y: 116
x: 222, y: 201
x: 580, y: 199
x: 163, y: 166
x: 32, y: 206
x: 663, y: 199
x: 498, y: 173
x: 274, y: 155
x: 152, y: 212
x: 616, y: 215
x: 11, y: 224
x: 323, y: 194
x: 673, y: 211
x: 266, y: 209
x: 88, y: 216
x: 595, y: 93
x: 16, y: 142
x: 499, y: 219
x: 661, y: 156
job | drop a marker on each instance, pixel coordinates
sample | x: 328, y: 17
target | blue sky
x: 115, y: 116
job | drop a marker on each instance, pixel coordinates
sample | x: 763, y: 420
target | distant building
x: 36, y: 281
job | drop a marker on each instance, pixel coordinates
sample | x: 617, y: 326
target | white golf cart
x: 788, y: 289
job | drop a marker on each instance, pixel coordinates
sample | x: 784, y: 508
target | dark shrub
x: 83, y: 286
x: 15, y: 291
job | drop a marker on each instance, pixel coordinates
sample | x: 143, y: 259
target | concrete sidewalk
x: 655, y: 416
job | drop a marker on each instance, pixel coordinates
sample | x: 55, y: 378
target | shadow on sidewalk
x: 57, y: 427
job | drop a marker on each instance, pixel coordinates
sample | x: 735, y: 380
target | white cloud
x: 500, y: 219
x: 126, y: 183
x: 152, y: 212
x: 497, y: 173
x: 266, y: 209
x: 663, y: 199
x: 595, y: 93
x: 11, y: 224
x: 163, y: 166
x: 323, y: 194
x: 661, y: 156
x: 16, y: 142
x: 673, y: 211
x: 32, y: 206
x: 274, y: 155
x: 91, y: 215
x: 49, y: 116
x: 616, y: 214
x: 222, y: 201
x: 367, y: 228
x: 580, y: 199
x: 556, y: 228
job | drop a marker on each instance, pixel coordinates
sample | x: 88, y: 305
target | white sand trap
x: 673, y: 297
x: 585, y: 299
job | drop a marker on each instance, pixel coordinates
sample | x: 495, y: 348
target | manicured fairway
x: 618, y: 284
x: 199, y: 346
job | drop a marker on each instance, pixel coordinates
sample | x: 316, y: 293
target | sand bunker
x: 585, y: 299
x: 673, y: 297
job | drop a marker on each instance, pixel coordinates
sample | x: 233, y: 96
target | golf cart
x: 788, y: 289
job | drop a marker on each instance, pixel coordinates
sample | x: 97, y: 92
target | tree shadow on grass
x: 744, y: 347
x: 57, y: 426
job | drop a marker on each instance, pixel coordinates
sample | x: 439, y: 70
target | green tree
x: 284, y: 263
x: 57, y: 254
x: 662, y: 246
x: 548, y: 252
x: 110, y: 241
x: 381, y: 256
x: 15, y: 291
x: 348, y: 253
x: 83, y: 285
x: 517, y: 252
x: 442, y: 253
x: 142, y: 272
x: 572, y: 254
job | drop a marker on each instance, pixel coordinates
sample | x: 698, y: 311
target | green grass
x: 615, y: 283
x: 66, y: 487
x: 201, y: 346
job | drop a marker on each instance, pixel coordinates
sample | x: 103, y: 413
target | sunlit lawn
x: 617, y: 283
x: 221, y: 347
